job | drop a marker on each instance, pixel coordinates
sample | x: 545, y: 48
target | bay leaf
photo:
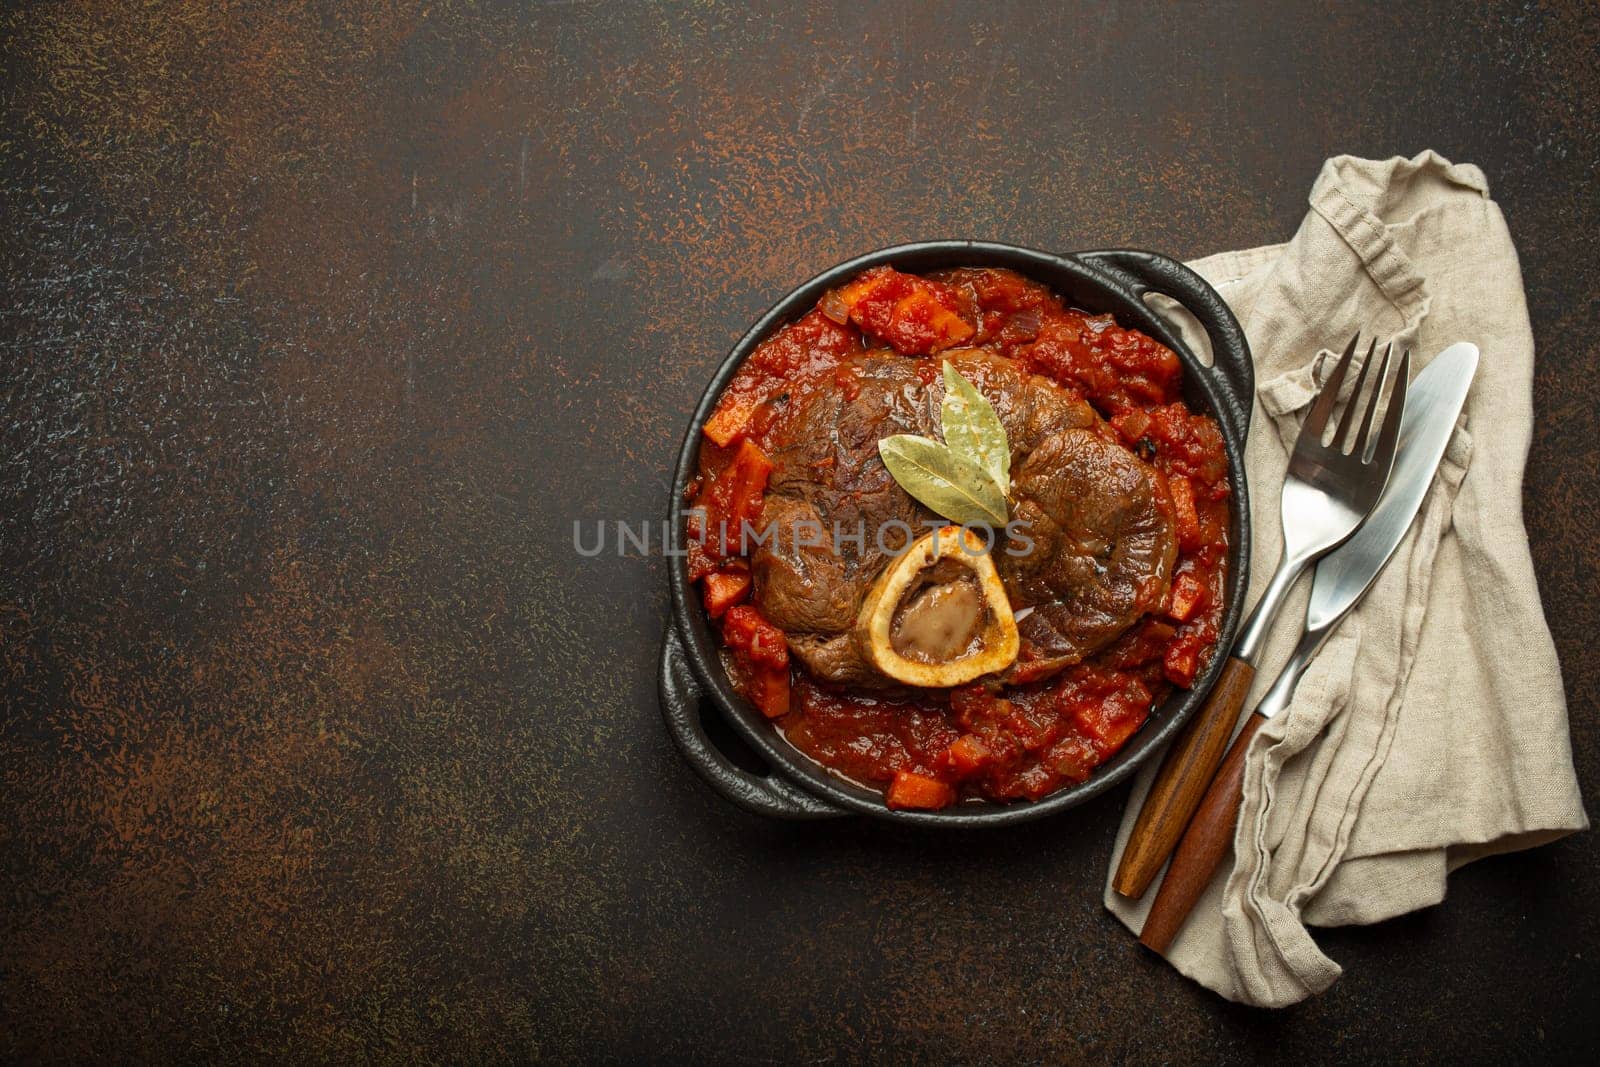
x: 973, y: 430
x: 949, y: 484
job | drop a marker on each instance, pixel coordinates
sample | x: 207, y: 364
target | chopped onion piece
x: 1027, y: 322
x: 833, y: 306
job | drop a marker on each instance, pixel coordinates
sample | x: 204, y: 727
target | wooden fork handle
x: 1202, y: 848
x: 1183, y: 778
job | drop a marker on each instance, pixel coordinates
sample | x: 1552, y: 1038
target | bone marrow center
x: 938, y: 615
x: 942, y: 617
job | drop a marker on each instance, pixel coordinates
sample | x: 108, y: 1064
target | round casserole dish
x: 775, y: 779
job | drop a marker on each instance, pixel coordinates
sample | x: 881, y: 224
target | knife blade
x: 1342, y: 579
x: 1345, y: 574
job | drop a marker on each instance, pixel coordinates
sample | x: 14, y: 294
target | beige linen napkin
x: 1432, y: 729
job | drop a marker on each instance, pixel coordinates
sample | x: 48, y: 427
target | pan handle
x: 1148, y: 272
x: 682, y: 696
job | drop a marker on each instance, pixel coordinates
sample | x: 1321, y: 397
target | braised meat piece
x: 1103, y: 546
x: 1103, y: 540
x: 828, y: 480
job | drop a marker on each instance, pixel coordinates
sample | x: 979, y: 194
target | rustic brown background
x: 323, y: 322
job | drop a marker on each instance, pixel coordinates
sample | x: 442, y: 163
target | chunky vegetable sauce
x: 1037, y: 726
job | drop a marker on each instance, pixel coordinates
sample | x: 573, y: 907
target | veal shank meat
x: 1099, y: 518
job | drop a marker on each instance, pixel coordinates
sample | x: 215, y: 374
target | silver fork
x: 1330, y: 487
x: 1329, y: 491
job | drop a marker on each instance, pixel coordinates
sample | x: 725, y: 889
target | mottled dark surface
x: 322, y: 323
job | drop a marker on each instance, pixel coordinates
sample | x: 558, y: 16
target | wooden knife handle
x: 1202, y: 848
x: 1182, y: 781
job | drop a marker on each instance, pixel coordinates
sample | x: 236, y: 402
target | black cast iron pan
x: 752, y: 765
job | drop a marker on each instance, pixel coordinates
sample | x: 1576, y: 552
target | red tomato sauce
x: 987, y: 741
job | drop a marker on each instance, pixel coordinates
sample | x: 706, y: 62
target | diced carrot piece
x: 769, y: 691
x: 1188, y: 593
x: 881, y: 286
x: 731, y: 420
x: 1115, y: 732
x: 751, y: 468
x: 701, y: 562
x: 723, y: 589
x: 1131, y: 424
x: 1191, y: 535
x: 866, y: 284
x: 967, y: 755
x: 733, y: 499
x: 752, y: 462
x: 1182, y: 663
x: 918, y: 791
x: 913, y: 314
x: 761, y: 659
x: 1074, y: 758
x: 923, y: 321
x: 1109, y: 722
x: 744, y: 629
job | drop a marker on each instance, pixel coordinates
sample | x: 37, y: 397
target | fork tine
x: 1389, y: 436
x: 1317, y: 419
x: 1359, y: 446
x: 1341, y: 437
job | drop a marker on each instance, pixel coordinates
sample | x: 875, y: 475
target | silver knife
x: 1344, y: 575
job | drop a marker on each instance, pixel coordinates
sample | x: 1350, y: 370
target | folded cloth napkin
x: 1432, y: 729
